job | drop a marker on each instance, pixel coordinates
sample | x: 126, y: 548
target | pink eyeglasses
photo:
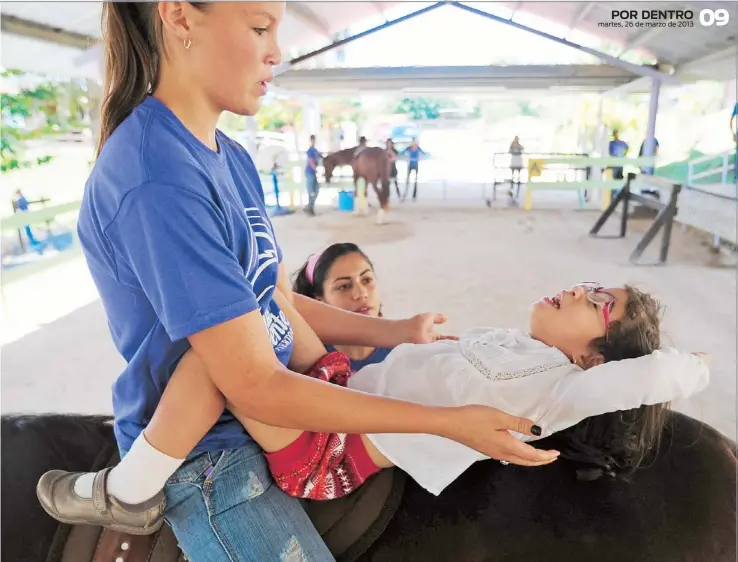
x: 598, y: 296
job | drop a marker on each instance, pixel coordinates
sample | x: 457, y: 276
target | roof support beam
x: 26, y: 28
x: 304, y: 15
x: 385, y: 25
x: 581, y: 14
x: 609, y: 59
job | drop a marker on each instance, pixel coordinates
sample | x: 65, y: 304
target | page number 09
x: 714, y: 17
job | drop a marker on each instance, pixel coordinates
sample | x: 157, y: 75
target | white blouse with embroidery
x: 509, y: 370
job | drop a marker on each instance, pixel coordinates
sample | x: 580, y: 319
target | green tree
x: 420, y: 108
x: 334, y: 111
x: 45, y: 108
x: 278, y: 114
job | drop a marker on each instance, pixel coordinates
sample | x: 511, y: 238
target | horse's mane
x: 612, y: 444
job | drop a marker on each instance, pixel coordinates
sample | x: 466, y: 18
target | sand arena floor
x: 479, y: 266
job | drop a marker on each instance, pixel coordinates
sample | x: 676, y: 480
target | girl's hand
x: 421, y: 329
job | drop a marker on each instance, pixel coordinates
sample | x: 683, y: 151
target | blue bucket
x: 346, y: 200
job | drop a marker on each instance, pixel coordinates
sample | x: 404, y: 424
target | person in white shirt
x: 589, y: 351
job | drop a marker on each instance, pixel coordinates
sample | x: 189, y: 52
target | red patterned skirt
x: 323, y: 466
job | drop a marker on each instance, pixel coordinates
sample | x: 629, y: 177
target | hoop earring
x: 187, y: 43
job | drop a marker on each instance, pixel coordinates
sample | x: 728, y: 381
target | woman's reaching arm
x: 242, y: 365
x: 339, y: 327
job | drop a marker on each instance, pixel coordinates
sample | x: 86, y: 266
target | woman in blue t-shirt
x: 176, y: 235
x: 343, y: 276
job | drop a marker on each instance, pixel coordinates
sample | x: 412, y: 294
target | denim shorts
x: 224, y: 507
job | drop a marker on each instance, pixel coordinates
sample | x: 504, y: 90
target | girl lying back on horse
x: 589, y: 351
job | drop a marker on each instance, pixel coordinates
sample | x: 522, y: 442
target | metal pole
x: 649, y: 146
x: 385, y: 25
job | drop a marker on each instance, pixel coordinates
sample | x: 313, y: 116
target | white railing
x: 718, y: 168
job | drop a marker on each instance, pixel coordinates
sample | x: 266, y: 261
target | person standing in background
x: 21, y: 205
x: 619, y: 149
x: 275, y: 179
x: 393, y: 167
x: 649, y: 170
x: 413, y: 153
x: 516, y: 164
x: 311, y: 175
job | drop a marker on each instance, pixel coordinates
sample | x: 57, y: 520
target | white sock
x: 139, y: 476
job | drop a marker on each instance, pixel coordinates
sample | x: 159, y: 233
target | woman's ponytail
x: 132, y: 33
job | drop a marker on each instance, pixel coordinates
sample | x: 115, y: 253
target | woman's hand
x: 487, y: 430
x: 421, y: 329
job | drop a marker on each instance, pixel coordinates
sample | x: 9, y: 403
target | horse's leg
x: 380, y: 211
x: 383, y: 195
x: 360, y: 207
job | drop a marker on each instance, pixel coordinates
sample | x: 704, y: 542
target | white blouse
x: 509, y: 370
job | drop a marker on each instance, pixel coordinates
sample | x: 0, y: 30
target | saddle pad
x: 349, y: 526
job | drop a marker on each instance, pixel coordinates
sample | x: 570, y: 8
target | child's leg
x: 176, y: 427
x: 190, y: 406
x: 170, y: 436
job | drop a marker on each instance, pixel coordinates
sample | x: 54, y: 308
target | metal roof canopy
x: 456, y: 79
x: 43, y: 37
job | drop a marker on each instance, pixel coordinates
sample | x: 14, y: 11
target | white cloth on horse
x: 509, y: 370
x: 359, y: 150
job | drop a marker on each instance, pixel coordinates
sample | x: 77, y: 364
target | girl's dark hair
x: 132, y: 32
x: 303, y: 286
x: 617, y: 443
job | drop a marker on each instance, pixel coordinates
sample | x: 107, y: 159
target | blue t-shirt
x: 178, y: 240
x: 735, y: 111
x: 618, y: 148
x: 22, y: 203
x: 413, y: 155
x: 377, y: 356
x: 312, y: 154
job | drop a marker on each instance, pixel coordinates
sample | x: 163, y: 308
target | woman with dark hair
x: 175, y: 232
x: 343, y: 276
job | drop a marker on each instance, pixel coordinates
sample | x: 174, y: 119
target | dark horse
x: 372, y: 164
x: 680, y: 507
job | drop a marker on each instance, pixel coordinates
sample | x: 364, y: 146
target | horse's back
x: 32, y: 445
x: 681, y: 508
